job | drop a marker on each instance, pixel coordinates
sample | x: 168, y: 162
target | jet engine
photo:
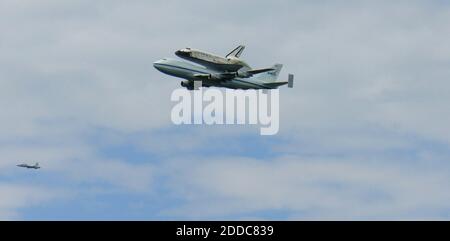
x: 216, y: 77
x: 243, y: 74
x: 187, y: 84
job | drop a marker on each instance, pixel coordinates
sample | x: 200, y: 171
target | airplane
x: 35, y: 166
x: 215, y: 71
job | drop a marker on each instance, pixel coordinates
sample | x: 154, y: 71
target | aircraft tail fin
x: 236, y: 53
x: 271, y: 76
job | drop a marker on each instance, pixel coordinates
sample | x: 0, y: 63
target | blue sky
x: 363, y: 135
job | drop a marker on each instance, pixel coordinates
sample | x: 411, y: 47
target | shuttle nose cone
x: 183, y: 52
x: 178, y: 52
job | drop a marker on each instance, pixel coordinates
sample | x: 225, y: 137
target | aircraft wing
x: 202, y: 76
x: 231, y: 75
x: 259, y: 71
x: 216, y: 77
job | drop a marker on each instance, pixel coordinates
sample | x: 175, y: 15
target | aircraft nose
x: 161, y: 64
x: 157, y: 64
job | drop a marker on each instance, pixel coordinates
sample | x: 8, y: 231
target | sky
x: 364, y: 135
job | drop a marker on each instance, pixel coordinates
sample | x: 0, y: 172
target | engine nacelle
x: 215, y: 77
x: 187, y: 84
x: 243, y: 74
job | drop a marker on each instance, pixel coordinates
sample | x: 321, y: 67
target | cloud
x: 117, y: 174
x: 310, y: 189
x: 18, y: 196
x: 360, y: 61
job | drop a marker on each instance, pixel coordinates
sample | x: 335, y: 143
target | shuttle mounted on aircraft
x: 213, y: 70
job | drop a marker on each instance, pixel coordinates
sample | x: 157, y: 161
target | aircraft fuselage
x: 29, y: 166
x: 212, y: 61
x: 188, y: 71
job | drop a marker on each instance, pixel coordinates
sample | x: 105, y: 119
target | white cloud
x: 120, y: 175
x: 14, y: 197
x: 310, y: 188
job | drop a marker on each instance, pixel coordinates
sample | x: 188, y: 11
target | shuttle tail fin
x: 236, y: 53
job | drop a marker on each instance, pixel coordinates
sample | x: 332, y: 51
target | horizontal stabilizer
x: 274, y: 85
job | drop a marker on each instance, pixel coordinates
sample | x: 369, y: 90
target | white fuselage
x: 187, y: 71
x: 212, y: 61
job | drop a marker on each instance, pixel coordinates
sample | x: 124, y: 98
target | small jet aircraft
x: 35, y: 166
x: 229, y: 71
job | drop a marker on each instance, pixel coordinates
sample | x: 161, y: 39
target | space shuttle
x: 230, y: 63
x: 213, y: 70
